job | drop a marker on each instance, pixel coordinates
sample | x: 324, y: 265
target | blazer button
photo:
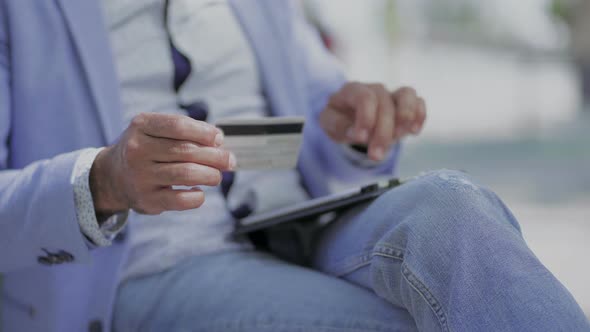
x: 120, y: 238
x: 45, y: 260
x: 95, y: 326
x: 65, y: 256
x: 57, y: 259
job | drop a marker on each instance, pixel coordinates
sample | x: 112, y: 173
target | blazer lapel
x: 84, y: 20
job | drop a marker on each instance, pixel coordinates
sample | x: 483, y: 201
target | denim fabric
x: 440, y: 253
x: 251, y: 291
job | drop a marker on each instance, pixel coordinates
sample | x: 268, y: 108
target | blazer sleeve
x: 37, y: 210
x: 325, y: 76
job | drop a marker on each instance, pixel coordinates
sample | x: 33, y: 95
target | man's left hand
x: 370, y: 115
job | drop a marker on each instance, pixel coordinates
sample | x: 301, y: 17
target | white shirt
x: 225, y: 76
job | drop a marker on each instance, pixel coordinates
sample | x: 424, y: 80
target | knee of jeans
x: 451, y: 202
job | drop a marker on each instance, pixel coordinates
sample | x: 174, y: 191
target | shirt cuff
x: 98, y: 234
x: 358, y: 158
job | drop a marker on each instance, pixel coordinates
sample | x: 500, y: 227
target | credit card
x: 263, y: 143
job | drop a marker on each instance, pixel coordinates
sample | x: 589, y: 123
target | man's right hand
x: 156, y: 152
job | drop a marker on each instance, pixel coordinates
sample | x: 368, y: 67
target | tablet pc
x: 314, y: 207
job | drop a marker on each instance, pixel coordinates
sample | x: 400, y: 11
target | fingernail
x: 379, y: 153
x: 362, y: 135
x: 219, y: 139
x: 232, y: 161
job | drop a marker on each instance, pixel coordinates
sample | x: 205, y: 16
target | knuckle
x: 186, y: 172
x: 206, y: 132
x: 132, y: 145
x: 367, y: 102
x: 184, y: 149
x: 407, y: 91
x: 142, y: 206
x: 139, y: 121
x: 173, y: 124
x: 178, y: 122
x: 366, y: 94
x: 132, y: 149
x: 380, y: 88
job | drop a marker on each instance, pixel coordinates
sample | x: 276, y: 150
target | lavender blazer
x: 59, y: 94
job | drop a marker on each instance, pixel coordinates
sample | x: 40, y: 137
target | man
x: 440, y: 253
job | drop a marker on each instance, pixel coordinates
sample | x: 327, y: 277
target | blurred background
x: 507, y: 85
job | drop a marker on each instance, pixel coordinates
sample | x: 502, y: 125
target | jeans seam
x: 342, y: 268
x: 425, y: 293
x: 398, y: 254
x: 365, y: 258
x: 389, y: 251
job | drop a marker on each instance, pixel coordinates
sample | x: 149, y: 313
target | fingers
x: 360, y: 100
x: 179, y: 200
x: 168, y: 199
x: 369, y: 114
x: 185, y: 174
x: 159, y: 151
x: 336, y: 124
x: 155, y: 195
x: 382, y: 135
x: 177, y: 127
x: 406, y: 101
x: 420, y: 117
x: 173, y: 151
x: 367, y: 106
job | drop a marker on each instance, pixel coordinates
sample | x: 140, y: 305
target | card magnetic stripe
x: 261, y: 129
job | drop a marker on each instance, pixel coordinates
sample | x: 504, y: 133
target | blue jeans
x: 439, y: 253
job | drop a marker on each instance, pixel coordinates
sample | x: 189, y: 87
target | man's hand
x: 156, y: 152
x: 368, y: 114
